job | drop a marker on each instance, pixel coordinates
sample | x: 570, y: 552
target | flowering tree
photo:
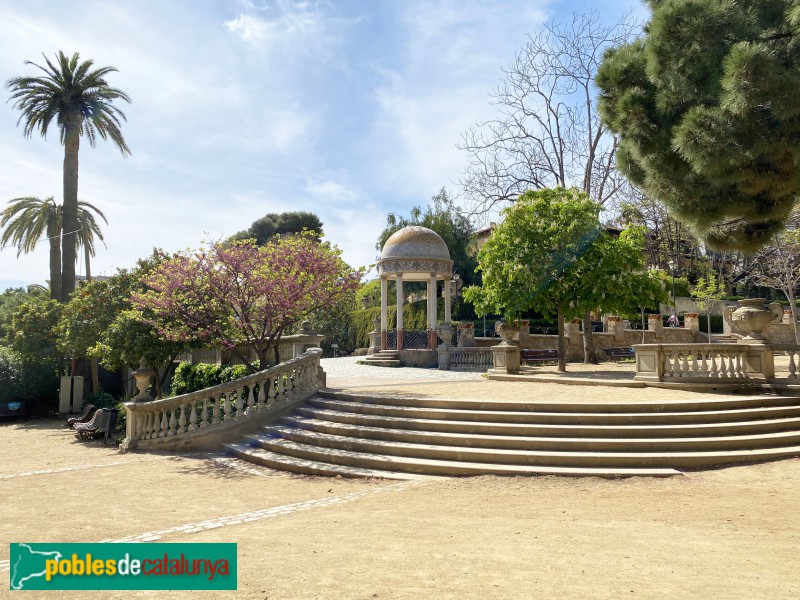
x: 242, y: 296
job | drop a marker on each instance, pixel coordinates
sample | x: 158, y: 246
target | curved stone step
x: 615, y: 418
x: 402, y: 464
x: 265, y: 458
x: 582, y: 443
x: 551, y: 458
x: 566, y: 429
x: 724, y: 403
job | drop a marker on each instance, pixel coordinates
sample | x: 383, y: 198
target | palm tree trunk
x: 55, y: 266
x: 93, y: 361
x: 70, y: 210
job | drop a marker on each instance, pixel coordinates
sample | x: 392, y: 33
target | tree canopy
x: 245, y: 297
x: 264, y: 229
x: 707, y: 108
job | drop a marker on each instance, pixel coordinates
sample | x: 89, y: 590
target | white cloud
x: 331, y: 191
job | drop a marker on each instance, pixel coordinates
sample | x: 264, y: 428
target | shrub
x: 190, y: 378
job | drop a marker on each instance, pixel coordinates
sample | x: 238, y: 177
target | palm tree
x: 81, y: 101
x: 29, y: 219
x: 26, y: 220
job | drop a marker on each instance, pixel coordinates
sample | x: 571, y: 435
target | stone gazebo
x: 414, y: 254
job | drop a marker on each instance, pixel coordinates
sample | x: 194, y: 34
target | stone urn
x: 506, y: 331
x: 142, y: 376
x: 445, y: 331
x: 753, y: 316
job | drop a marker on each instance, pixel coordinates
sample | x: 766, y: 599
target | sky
x: 348, y: 109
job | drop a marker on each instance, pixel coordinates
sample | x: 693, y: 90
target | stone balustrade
x: 793, y: 352
x: 468, y: 358
x: 207, y: 418
x: 703, y: 363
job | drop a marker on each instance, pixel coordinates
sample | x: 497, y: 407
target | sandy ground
x: 731, y: 533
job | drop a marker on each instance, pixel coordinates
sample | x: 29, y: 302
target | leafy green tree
x: 27, y: 220
x: 531, y: 260
x: 80, y: 100
x: 33, y: 328
x: 99, y: 322
x: 443, y: 217
x: 10, y: 301
x: 706, y: 105
x: 708, y: 291
x: 264, y: 229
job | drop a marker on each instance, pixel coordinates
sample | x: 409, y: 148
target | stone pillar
x: 617, y: 328
x: 524, y: 333
x: 399, y: 327
x: 447, y: 307
x: 466, y: 335
x: 432, y: 339
x: 655, y: 323
x: 384, y: 316
x: 691, y: 321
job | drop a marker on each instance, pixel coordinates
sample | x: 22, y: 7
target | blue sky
x: 349, y: 109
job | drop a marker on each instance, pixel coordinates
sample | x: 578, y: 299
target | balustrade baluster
x: 279, y: 391
x: 227, y: 405
x: 182, y: 420
x: 252, y: 398
x: 695, y: 366
x: 172, y: 423
x: 239, y: 402
x: 147, y: 426
x: 740, y: 374
x: 685, y: 364
x: 271, y: 391
x: 713, y: 371
x: 731, y: 366
x: 215, y: 406
x: 204, y: 413
x: 792, y: 365
x: 192, y: 417
x: 164, y: 424
x: 676, y: 366
x: 262, y: 394
x: 704, y: 363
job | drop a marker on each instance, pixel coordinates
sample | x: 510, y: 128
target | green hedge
x: 190, y: 378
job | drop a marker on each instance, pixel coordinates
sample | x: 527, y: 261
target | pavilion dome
x: 415, y: 253
x: 415, y: 242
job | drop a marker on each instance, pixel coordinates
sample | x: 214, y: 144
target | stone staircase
x: 383, y: 358
x: 362, y: 436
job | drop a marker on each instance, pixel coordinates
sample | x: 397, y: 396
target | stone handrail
x: 201, y: 419
x: 699, y: 362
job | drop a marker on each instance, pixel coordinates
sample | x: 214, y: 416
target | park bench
x: 85, y: 415
x: 619, y: 353
x: 538, y: 356
x: 103, y: 422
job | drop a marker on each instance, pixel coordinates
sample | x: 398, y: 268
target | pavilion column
x: 432, y: 312
x: 384, y: 316
x: 399, y: 312
x: 447, y: 284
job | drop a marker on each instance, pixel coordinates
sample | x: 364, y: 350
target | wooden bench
x: 620, y: 353
x: 103, y: 422
x: 538, y: 356
x: 85, y: 415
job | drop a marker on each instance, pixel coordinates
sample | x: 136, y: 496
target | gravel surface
x: 347, y: 367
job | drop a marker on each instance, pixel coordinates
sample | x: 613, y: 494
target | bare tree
x: 778, y: 265
x: 548, y: 132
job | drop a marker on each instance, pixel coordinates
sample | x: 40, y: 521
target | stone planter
x: 445, y: 332
x: 142, y: 376
x: 506, y: 331
x: 753, y: 316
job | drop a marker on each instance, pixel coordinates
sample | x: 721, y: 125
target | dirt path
x: 732, y: 533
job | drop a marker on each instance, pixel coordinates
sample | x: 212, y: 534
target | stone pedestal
x: 759, y: 362
x: 375, y: 338
x: 505, y: 359
x: 466, y: 335
x: 616, y: 327
x: 691, y: 321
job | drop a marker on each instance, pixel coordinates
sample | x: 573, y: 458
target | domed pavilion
x: 414, y: 254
